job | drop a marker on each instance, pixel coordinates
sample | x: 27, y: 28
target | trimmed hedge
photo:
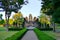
x: 15, y: 29
x: 42, y: 36
x: 45, y: 29
x: 18, y: 35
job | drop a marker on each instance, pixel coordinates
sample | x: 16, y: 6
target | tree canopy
x: 51, y: 8
x: 18, y: 18
x: 44, y: 19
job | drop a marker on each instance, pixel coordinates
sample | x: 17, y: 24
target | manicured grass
x: 58, y: 27
x: 50, y: 33
x: 42, y: 36
x: 4, y: 34
x: 17, y: 36
x: 2, y: 29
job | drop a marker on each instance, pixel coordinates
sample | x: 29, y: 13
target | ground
x: 30, y: 35
x: 4, y: 34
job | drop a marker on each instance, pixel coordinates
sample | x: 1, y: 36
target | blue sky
x: 33, y: 7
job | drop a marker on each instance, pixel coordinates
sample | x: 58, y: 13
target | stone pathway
x: 30, y: 35
x: 57, y: 36
x: 57, y: 33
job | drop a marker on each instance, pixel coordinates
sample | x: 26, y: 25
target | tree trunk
x: 6, y: 21
x: 54, y: 27
x: 44, y: 25
x: 7, y: 15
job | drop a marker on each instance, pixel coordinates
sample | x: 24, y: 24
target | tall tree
x: 51, y: 8
x: 44, y: 20
x: 18, y: 19
x: 9, y: 6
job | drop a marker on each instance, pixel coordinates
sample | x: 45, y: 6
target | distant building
x: 26, y: 19
x: 30, y: 17
x: 34, y: 19
x: 30, y: 21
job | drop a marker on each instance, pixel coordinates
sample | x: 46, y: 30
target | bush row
x: 18, y: 35
x: 45, y: 29
x: 42, y: 36
x: 15, y: 29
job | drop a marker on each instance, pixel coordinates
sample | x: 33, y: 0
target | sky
x: 33, y: 7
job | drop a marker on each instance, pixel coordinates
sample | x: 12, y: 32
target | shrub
x: 42, y: 36
x: 45, y: 29
x: 15, y: 29
x: 17, y: 36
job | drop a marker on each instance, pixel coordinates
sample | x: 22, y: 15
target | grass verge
x: 4, y: 34
x: 42, y: 36
x: 50, y: 33
x: 2, y: 28
x: 18, y: 35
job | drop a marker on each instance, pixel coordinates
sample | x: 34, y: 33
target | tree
x: 9, y: 6
x: 18, y: 19
x: 43, y: 19
x: 2, y: 22
x: 11, y: 21
x: 1, y: 16
x: 49, y: 7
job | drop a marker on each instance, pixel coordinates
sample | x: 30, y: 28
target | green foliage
x: 5, y: 2
x: 1, y: 15
x: 56, y: 4
x: 20, y: 1
x: 15, y: 28
x: 44, y: 19
x: 56, y: 16
x: 4, y: 34
x: 2, y: 28
x: 47, y: 7
x: 51, y: 7
x: 18, y: 19
x: 42, y: 36
x: 2, y: 22
x: 17, y: 35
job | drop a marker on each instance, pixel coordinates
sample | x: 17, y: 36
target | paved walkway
x: 30, y: 35
x: 57, y: 36
x: 30, y: 27
x: 57, y: 33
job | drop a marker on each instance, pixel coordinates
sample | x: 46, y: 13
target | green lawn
x: 58, y: 26
x: 44, y: 35
x: 18, y: 35
x: 4, y: 34
x: 2, y: 29
x: 50, y: 33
